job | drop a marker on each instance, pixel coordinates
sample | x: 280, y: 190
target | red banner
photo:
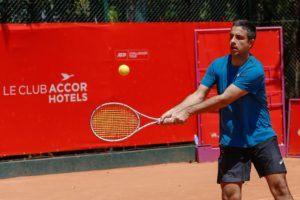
x: 54, y: 75
x: 294, y: 128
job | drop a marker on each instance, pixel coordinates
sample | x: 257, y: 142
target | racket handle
x: 158, y: 120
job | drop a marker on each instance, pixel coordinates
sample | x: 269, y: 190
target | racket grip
x: 158, y: 120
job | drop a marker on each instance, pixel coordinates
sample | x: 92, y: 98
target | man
x: 246, y: 134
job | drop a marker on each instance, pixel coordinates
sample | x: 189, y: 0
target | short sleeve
x: 250, y: 79
x: 209, y: 78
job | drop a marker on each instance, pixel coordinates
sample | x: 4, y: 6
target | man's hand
x: 174, y: 117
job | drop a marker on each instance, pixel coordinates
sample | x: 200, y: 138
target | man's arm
x: 217, y: 102
x: 195, y: 98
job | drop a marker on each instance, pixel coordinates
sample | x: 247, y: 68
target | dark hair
x: 245, y: 24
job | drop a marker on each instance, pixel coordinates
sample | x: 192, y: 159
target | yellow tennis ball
x: 124, y: 70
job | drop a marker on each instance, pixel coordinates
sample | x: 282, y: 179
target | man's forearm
x: 189, y: 102
x: 211, y: 104
x: 195, y: 103
x: 231, y: 94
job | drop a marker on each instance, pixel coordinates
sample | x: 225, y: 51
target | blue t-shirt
x: 246, y: 121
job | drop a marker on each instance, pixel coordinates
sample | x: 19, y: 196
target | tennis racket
x: 113, y: 122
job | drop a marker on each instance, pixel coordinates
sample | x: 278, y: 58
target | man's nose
x: 232, y: 40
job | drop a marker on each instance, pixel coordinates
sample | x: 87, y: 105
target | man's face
x: 239, y: 42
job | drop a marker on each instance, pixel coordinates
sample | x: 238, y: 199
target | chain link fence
x: 285, y: 13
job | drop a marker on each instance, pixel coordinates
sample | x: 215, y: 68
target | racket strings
x: 114, y: 122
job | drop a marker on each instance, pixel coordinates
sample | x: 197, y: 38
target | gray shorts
x: 234, y: 163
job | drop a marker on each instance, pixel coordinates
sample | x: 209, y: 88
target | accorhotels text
x: 57, y: 93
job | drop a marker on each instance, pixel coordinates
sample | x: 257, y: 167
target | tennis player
x: 246, y: 134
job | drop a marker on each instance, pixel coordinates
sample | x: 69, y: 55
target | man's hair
x: 245, y: 24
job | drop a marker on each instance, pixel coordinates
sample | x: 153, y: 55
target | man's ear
x: 251, y: 42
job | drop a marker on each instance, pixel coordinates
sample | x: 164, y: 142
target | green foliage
x: 112, y: 14
x: 82, y: 7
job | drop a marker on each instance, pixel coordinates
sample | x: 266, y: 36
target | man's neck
x: 239, y: 60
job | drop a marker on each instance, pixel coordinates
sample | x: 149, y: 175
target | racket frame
x: 137, y: 113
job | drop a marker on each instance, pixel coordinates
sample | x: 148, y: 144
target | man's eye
x: 239, y: 37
